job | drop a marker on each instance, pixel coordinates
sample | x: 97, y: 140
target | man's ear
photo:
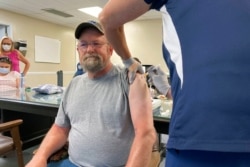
x: 111, y: 49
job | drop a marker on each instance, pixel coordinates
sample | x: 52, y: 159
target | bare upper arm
x: 56, y: 129
x: 22, y: 58
x: 121, y: 11
x: 140, y: 104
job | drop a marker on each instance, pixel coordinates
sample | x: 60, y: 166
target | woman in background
x: 9, y: 80
x: 7, y: 49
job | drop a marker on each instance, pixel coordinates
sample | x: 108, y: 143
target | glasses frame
x: 94, y: 45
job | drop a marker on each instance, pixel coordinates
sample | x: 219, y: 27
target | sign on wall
x: 47, y: 50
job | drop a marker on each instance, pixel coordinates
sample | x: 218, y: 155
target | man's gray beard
x: 93, y: 63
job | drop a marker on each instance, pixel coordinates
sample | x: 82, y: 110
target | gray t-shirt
x: 97, y: 111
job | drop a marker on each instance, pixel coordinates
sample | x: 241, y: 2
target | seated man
x: 106, y: 121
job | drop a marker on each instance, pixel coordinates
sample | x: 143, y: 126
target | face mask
x: 6, y: 47
x: 4, y: 70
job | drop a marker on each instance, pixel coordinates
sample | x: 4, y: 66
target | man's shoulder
x: 78, y: 78
x: 119, y: 68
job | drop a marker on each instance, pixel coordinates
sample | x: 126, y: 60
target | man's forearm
x: 54, y: 140
x: 141, y: 150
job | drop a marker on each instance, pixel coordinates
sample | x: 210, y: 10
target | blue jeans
x: 62, y: 163
x: 188, y: 158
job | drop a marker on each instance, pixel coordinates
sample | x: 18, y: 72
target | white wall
x: 144, y: 39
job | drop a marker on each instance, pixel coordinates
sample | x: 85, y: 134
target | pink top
x: 8, y: 82
x: 8, y: 87
x: 15, y: 61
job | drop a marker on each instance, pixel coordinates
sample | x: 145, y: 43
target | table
x: 38, y: 112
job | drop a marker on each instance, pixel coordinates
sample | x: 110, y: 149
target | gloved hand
x: 133, y: 67
x: 159, y: 79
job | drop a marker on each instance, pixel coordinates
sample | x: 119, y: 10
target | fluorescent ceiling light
x: 93, y: 11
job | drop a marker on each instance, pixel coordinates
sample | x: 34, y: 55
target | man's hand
x: 133, y: 67
x: 37, y: 162
x: 159, y: 79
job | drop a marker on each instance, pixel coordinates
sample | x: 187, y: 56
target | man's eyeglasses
x: 5, y: 60
x: 94, y: 45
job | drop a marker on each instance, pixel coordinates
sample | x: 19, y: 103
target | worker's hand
x: 159, y: 79
x: 155, y: 70
x: 133, y: 67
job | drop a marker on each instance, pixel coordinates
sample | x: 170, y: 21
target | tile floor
x: 11, y: 160
x: 162, y: 163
